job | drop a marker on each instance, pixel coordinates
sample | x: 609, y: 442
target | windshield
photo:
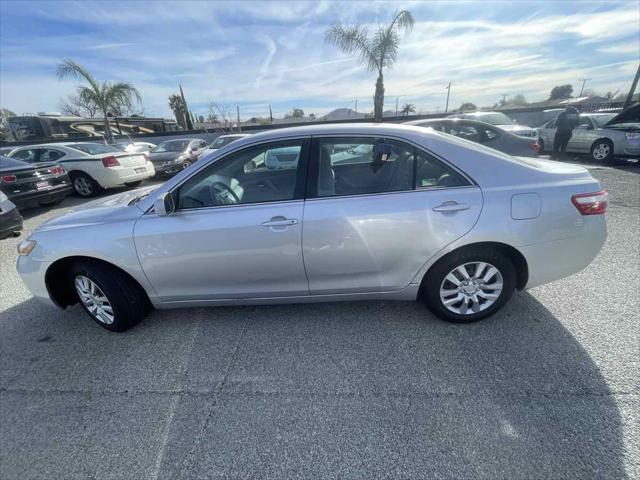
x: 171, y: 146
x: 93, y: 148
x: 602, y: 120
x: 493, y: 118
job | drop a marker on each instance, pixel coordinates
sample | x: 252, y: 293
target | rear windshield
x: 493, y: 118
x: 7, y: 163
x: 93, y: 148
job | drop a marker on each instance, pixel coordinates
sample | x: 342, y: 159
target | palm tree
x: 408, y: 108
x: 375, y: 51
x: 106, y: 96
x: 177, y: 107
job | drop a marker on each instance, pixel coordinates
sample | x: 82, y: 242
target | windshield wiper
x: 138, y: 197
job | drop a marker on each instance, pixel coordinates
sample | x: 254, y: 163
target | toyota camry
x: 325, y: 213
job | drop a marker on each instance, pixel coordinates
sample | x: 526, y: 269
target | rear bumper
x: 116, y: 177
x: 35, y: 198
x: 10, y: 223
x: 549, y: 261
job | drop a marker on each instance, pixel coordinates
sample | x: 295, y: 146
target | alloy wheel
x: 601, y: 151
x: 94, y: 299
x: 83, y: 186
x: 471, y: 288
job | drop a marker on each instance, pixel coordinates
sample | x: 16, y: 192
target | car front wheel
x: 469, y: 285
x: 111, y: 298
x: 602, y: 151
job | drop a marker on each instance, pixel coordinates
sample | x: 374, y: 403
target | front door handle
x: 451, y: 207
x: 279, y: 222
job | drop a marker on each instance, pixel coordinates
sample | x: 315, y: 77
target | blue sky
x: 254, y: 54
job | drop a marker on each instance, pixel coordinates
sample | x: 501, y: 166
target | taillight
x: 535, y: 146
x: 57, y: 170
x: 8, y: 178
x: 591, y: 203
x: 110, y: 162
x: 146, y: 156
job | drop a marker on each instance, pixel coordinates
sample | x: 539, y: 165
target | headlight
x: 25, y: 247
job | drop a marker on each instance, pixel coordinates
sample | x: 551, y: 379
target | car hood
x: 631, y: 114
x: 515, y: 128
x: 163, y: 156
x: 103, y: 210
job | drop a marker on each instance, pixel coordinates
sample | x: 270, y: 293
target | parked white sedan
x: 325, y: 213
x: 91, y: 166
x: 602, y: 136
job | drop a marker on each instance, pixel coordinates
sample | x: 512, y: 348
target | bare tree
x: 75, y: 106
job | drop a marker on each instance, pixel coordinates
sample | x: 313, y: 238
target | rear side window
x: 359, y: 166
x: 432, y: 173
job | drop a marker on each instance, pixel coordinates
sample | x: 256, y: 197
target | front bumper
x: 169, y: 167
x: 33, y: 273
x: 10, y: 223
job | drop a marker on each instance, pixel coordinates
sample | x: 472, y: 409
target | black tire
x: 128, y: 301
x: 598, y: 147
x: 137, y: 183
x: 436, y: 276
x: 84, y: 185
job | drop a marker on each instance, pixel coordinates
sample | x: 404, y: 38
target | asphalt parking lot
x: 547, y: 388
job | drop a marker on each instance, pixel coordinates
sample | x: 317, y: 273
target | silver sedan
x: 484, y: 133
x: 325, y: 213
x: 602, y: 136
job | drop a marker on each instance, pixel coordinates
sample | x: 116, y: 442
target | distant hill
x: 342, y: 114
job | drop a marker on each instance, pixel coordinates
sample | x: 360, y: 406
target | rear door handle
x: 451, y: 207
x: 279, y: 222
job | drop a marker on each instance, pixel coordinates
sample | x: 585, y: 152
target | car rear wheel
x: 84, y: 185
x: 602, y: 151
x: 469, y: 285
x: 112, y: 299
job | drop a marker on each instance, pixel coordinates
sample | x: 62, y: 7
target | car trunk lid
x: 131, y: 159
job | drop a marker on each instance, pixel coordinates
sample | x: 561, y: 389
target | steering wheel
x: 223, y: 194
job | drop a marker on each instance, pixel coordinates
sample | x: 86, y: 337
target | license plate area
x: 42, y: 185
x: 140, y: 169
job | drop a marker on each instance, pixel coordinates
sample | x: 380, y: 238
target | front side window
x: 355, y: 166
x: 29, y: 155
x: 264, y: 173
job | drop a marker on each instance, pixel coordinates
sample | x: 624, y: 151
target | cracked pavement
x: 547, y: 388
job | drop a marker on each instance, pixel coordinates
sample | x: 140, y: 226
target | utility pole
x: 446, y: 108
x: 187, y: 116
x: 238, y: 117
x: 270, y: 114
x: 583, y: 80
x: 356, y: 105
x: 396, y: 106
x: 627, y: 102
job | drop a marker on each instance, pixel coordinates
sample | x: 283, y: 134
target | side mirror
x: 164, y: 205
